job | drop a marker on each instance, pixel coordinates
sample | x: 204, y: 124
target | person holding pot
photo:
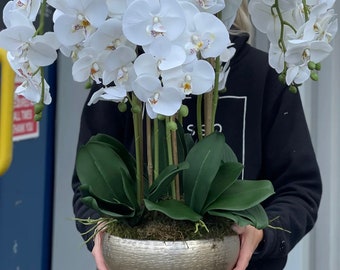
x: 264, y: 124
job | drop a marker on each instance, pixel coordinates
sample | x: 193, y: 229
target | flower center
x: 21, y: 4
x: 186, y: 85
x: 83, y: 23
x: 122, y: 75
x: 157, y: 28
x: 205, y: 4
x: 154, y: 99
x: 94, y: 68
x: 306, y: 54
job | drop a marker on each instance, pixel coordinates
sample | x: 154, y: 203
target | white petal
x: 303, y: 75
x: 14, y: 37
x: 81, y: 69
x: 320, y: 50
x: 146, y: 64
x: 203, y: 77
x: 169, y: 102
x: 214, y: 30
x: 50, y: 39
x: 41, y: 54
x: 96, y: 12
x: 135, y: 22
x: 96, y: 96
x: 65, y: 32
x: 115, y: 93
x: 229, y: 13
x: 291, y: 74
x: 150, y: 111
x: 276, y: 58
x: 145, y: 86
x: 260, y: 15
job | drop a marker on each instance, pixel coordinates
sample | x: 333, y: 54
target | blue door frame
x: 26, y: 198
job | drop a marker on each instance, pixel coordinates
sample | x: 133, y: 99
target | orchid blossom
x: 134, y: 42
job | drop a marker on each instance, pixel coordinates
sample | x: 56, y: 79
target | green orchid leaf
x: 112, y: 210
x: 162, y: 182
x: 243, y: 194
x: 100, y: 167
x: 255, y: 216
x: 86, y: 191
x: 225, y: 177
x: 228, y: 154
x: 174, y: 209
x: 120, y: 149
x: 129, y: 189
x: 189, y: 141
x: 105, y: 205
x: 185, y: 142
x: 205, y: 159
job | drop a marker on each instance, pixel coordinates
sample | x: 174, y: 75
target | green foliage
x: 211, y: 187
x: 209, y: 172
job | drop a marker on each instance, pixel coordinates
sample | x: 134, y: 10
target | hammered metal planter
x: 129, y: 254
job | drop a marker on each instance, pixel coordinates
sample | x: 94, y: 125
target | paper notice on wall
x: 24, y: 125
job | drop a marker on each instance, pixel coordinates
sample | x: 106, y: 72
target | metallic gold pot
x: 129, y: 254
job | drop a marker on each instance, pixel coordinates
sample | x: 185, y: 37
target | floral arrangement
x: 150, y: 55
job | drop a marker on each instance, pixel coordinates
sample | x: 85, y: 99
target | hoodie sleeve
x: 289, y: 162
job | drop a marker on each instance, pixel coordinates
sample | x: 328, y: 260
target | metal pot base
x: 130, y: 254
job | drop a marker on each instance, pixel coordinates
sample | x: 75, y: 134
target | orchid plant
x: 150, y: 55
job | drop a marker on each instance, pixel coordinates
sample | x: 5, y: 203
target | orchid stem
x: 138, y: 134
x: 199, y: 117
x: 149, y: 150
x: 170, y: 152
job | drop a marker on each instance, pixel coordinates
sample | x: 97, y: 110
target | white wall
x: 326, y: 132
x: 320, y: 250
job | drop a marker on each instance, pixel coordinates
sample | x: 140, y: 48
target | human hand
x: 250, y: 238
x: 97, y: 252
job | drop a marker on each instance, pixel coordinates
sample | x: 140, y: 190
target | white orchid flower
x: 262, y: 13
x: 32, y: 85
x: 79, y: 20
x: 297, y: 74
x: 112, y: 93
x: 118, y: 66
x: 89, y: 65
x: 16, y: 18
x: 28, y: 8
x: 196, y: 78
x: 209, y: 36
x: 31, y: 89
x: 37, y: 50
x: 322, y: 25
x: 301, y: 53
x: 166, y: 54
x: 145, y: 20
x: 108, y: 36
x: 158, y: 99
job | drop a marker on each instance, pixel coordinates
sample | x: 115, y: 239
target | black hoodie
x: 265, y: 125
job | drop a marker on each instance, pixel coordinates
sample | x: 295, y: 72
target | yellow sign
x: 6, y: 113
